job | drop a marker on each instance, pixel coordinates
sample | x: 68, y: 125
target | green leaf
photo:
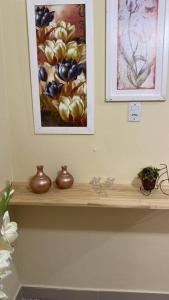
x: 5, y: 199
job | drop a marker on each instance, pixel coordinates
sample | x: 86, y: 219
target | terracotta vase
x: 40, y: 183
x: 64, y: 180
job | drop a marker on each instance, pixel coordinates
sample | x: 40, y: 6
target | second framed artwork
x: 61, y: 59
x: 137, y: 50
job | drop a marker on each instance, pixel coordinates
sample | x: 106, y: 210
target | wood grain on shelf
x: 83, y: 195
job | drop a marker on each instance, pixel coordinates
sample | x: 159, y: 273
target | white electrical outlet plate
x: 134, y: 112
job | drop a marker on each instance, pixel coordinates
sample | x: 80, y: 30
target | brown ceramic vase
x: 64, y: 180
x: 40, y: 183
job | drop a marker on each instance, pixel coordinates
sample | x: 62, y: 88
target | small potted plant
x: 148, y: 176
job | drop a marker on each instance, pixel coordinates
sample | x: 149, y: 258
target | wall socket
x: 134, y: 112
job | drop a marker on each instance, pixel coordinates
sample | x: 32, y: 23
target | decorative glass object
x: 102, y: 187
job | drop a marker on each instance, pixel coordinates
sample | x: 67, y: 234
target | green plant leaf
x: 5, y: 199
x: 148, y: 173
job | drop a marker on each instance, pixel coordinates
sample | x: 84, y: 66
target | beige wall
x: 11, y: 283
x: 5, y: 145
x: 122, y: 148
x: 96, y: 248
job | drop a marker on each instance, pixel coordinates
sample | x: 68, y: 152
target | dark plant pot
x: 148, y: 184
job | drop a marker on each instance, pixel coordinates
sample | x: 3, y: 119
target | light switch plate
x: 134, y: 112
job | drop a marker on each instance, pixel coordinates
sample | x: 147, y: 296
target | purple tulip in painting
x: 61, y: 49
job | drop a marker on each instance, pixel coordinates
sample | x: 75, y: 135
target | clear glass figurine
x: 102, y: 187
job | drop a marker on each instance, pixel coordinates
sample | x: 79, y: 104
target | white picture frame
x: 64, y: 103
x: 129, y: 42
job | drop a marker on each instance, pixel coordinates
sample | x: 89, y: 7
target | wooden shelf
x: 83, y: 195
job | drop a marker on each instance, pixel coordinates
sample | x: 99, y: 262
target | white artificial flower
x: 5, y: 273
x: 9, y: 229
x: 5, y: 257
x: 3, y: 295
x: 8, y: 234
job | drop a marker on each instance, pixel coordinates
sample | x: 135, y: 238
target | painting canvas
x: 61, y: 65
x: 137, y: 55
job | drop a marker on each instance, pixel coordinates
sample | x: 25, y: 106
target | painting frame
x: 88, y: 128
x: 113, y: 92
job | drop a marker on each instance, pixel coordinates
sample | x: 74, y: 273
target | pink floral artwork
x: 137, y: 44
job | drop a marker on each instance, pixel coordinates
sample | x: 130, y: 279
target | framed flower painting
x: 61, y: 60
x: 137, y: 50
